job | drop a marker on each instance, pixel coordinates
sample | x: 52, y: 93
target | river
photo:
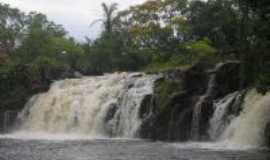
x: 120, y: 149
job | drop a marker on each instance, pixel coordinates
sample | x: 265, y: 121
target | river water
x: 120, y: 149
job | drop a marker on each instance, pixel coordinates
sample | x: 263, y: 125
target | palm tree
x: 110, y: 19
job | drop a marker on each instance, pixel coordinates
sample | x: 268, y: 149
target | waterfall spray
x: 249, y: 127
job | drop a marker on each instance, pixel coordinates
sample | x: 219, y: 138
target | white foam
x: 23, y: 135
x: 46, y: 136
x: 82, y: 106
x: 216, y: 146
x: 248, y: 128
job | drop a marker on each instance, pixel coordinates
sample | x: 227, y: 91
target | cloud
x: 74, y: 15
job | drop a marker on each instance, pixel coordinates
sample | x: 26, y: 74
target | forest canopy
x: 155, y: 35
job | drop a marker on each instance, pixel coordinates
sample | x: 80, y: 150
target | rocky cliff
x: 169, y: 113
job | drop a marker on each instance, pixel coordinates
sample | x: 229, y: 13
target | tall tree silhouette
x: 109, y: 19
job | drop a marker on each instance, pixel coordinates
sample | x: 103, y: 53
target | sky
x: 75, y: 15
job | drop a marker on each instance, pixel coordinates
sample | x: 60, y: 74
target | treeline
x: 157, y: 34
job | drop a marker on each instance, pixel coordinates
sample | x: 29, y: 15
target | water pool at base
x: 120, y: 149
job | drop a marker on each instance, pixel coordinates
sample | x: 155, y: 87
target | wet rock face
x: 175, y: 96
x: 172, y: 105
x: 146, y: 107
x: 228, y: 79
x: 110, y: 115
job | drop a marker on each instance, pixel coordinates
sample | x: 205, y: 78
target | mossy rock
x: 165, y: 91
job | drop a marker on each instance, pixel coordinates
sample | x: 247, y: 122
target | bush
x: 202, y: 48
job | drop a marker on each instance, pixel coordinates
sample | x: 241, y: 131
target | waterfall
x: 7, y: 120
x: 195, y: 124
x: 222, y: 115
x: 96, y: 106
x: 249, y: 127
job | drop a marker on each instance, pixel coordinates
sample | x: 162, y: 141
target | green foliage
x: 192, y: 52
x: 175, y: 62
x: 65, y: 51
x: 114, y: 54
x: 217, y: 20
x: 202, y: 48
x: 156, y: 35
x: 43, y: 62
x: 43, y: 53
x: 42, y: 34
x: 255, y: 41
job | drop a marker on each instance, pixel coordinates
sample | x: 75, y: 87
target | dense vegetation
x: 156, y: 35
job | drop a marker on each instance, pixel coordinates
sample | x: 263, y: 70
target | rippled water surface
x: 120, y: 149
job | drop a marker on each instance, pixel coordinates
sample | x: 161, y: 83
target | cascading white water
x: 249, y: 127
x: 195, y: 129
x: 82, y: 106
x: 219, y: 121
x: 195, y: 124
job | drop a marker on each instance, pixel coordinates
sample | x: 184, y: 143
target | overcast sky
x: 75, y: 15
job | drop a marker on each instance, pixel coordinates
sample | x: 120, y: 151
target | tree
x: 216, y: 19
x: 109, y: 19
x: 153, y: 27
x: 256, y: 58
x: 37, y: 35
x: 11, y: 28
